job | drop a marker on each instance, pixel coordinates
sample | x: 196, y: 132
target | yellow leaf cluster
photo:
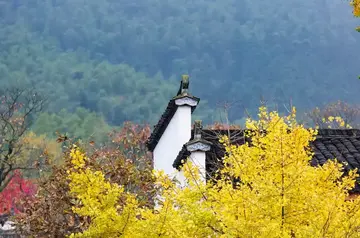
x: 98, y: 198
x: 356, y: 10
x: 356, y: 7
x: 335, y: 122
x: 266, y: 189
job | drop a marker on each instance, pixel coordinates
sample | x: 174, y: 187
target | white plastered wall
x: 198, y: 158
x: 177, y: 133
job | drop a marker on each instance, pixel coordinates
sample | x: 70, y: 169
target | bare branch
x: 18, y: 108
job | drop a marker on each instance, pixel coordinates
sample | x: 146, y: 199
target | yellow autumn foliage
x: 356, y: 7
x: 356, y: 10
x: 335, y: 122
x: 280, y: 193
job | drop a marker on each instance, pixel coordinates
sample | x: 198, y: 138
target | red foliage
x: 131, y: 141
x: 17, y: 190
x: 222, y: 126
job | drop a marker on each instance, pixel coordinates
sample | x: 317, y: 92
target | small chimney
x: 198, y: 148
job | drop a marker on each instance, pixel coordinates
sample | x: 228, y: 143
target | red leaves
x: 17, y: 190
x: 131, y: 132
x: 131, y: 140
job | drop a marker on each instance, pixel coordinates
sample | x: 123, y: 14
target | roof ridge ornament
x: 183, y: 96
x: 197, y: 129
x: 184, y: 85
x: 198, y: 143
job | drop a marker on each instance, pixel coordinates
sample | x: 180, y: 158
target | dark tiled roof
x: 342, y: 144
x: 160, y: 127
x: 217, y: 150
x: 183, y: 154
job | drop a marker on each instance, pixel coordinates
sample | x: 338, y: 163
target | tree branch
x: 5, y: 182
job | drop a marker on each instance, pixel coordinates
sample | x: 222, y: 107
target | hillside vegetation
x: 122, y: 59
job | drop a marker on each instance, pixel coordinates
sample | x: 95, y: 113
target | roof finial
x: 197, y: 129
x: 184, y: 85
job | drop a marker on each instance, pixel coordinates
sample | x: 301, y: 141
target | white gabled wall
x: 177, y: 133
x: 198, y: 158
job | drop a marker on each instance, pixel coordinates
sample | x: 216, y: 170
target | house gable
x: 173, y: 129
x: 182, y: 98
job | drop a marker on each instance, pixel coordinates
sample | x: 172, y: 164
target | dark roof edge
x: 184, y: 152
x: 323, y: 133
x: 181, y: 158
x: 161, y: 126
x: 165, y: 119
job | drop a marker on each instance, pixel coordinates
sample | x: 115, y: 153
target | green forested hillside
x: 121, y: 59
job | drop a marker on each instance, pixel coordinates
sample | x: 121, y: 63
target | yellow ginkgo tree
x: 265, y: 189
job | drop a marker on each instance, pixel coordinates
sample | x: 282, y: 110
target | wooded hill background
x: 105, y: 62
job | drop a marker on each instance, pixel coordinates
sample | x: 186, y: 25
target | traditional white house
x: 174, y: 130
x: 175, y: 140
